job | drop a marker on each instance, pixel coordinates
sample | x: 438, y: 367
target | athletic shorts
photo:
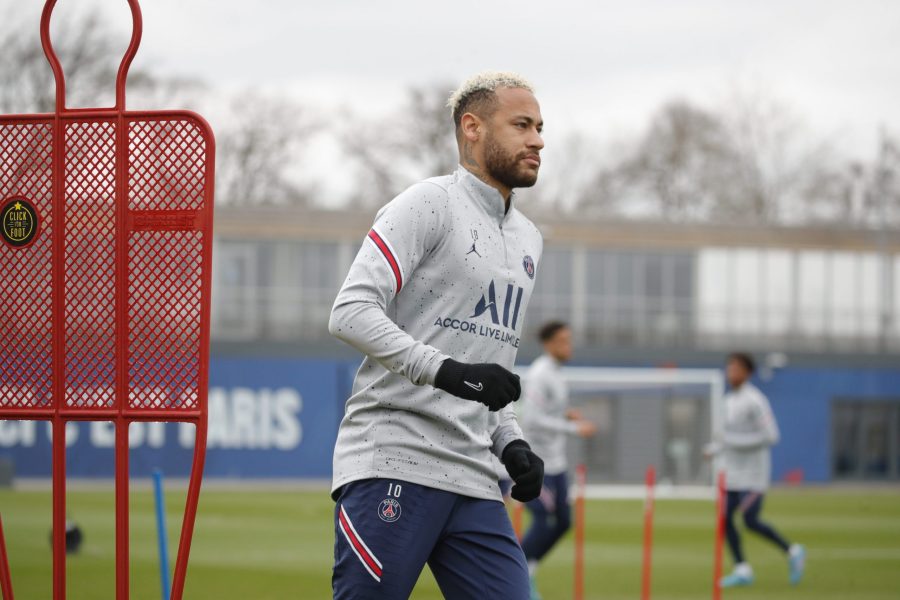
x: 386, y: 530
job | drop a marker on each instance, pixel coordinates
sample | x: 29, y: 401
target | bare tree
x: 882, y: 197
x: 261, y: 151
x: 751, y: 162
x: 90, y: 54
x: 414, y: 142
x: 675, y: 171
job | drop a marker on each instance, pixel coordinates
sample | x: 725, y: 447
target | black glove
x: 526, y: 469
x: 490, y: 384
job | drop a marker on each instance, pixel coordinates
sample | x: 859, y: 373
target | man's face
x: 513, y: 143
x: 736, y: 373
x: 560, y: 345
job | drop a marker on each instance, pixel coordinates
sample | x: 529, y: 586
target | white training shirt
x: 445, y: 271
x: 749, y: 431
x: 545, y: 400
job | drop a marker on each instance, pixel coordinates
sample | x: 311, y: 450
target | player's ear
x: 470, y: 126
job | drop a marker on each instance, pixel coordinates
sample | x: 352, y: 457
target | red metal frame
x: 5, y: 584
x: 720, y: 536
x: 580, y: 524
x: 112, y: 299
x: 649, y: 507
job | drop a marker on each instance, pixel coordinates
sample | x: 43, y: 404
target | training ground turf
x: 277, y: 544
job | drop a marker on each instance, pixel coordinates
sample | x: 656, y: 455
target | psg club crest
x: 528, y: 263
x: 389, y: 510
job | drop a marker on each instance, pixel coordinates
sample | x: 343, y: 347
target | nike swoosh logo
x: 477, y: 388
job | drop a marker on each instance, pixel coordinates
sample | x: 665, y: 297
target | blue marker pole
x: 162, y: 534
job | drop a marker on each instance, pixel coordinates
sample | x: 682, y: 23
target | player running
x: 435, y: 299
x: 548, y: 421
x: 748, y: 433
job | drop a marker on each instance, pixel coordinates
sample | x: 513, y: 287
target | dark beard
x: 504, y: 167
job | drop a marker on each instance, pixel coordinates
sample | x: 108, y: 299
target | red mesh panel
x: 90, y: 235
x: 26, y: 284
x: 105, y: 254
x: 171, y: 155
x: 164, y: 312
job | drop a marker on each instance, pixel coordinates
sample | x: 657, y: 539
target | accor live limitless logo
x: 503, y: 322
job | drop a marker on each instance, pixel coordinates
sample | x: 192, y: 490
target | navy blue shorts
x: 386, y: 530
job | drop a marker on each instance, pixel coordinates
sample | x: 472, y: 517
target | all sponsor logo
x: 488, y: 303
x: 504, y: 317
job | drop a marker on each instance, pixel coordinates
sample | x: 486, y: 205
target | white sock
x: 794, y: 550
x: 743, y: 569
x: 532, y: 567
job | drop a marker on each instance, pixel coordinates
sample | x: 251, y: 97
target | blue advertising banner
x: 278, y: 417
x: 268, y: 418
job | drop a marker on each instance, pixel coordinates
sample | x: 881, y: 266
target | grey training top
x: 545, y: 401
x: 445, y: 271
x: 749, y: 431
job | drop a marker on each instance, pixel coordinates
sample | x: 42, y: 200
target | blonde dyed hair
x: 478, y: 92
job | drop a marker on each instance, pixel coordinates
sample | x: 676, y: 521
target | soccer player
x: 548, y: 422
x: 748, y: 433
x: 435, y: 299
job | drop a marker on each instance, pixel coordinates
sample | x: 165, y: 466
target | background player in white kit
x: 548, y: 421
x: 440, y: 326
x: 748, y: 432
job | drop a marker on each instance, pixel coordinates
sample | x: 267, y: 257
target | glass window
x: 639, y: 297
x: 876, y: 455
x: 653, y: 276
x: 866, y: 439
x: 844, y: 294
x: 812, y: 279
x: 713, y: 293
x: 845, y: 440
x: 319, y: 280
x: 683, y: 276
x: 777, y: 296
x: 235, y: 278
x: 869, y: 295
x: 552, y: 297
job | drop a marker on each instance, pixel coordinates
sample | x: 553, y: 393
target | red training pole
x: 720, y: 535
x: 648, y: 533
x: 5, y: 581
x: 517, y: 516
x: 581, y: 472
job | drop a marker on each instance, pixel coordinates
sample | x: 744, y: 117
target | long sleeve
x: 506, y: 431
x: 405, y: 231
x: 764, y: 430
x: 538, y: 415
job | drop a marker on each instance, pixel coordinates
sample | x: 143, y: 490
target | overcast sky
x: 597, y: 64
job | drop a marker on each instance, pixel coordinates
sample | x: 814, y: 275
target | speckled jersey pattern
x: 446, y: 271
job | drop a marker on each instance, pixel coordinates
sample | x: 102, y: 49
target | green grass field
x: 278, y: 544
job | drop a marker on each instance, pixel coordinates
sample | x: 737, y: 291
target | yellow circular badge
x: 18, y: 222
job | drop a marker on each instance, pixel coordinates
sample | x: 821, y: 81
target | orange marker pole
x: 5, y: 581
x: 579, y: 533
x: 720, y: 535
x: 648, y: 533
x: 517, y: 517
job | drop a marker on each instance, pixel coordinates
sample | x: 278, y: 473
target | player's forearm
x: 365, y: 326
x: 507, y: 431
x: 542, y: 422
x: 745, y: 440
